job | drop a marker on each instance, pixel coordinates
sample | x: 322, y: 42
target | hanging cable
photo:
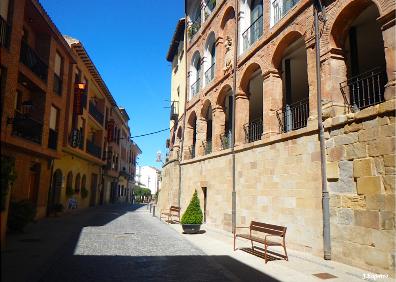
x: 151, y: 133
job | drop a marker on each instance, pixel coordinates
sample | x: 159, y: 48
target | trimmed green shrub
x: 193, y: 213
x: 20, y: 214
x: 84, y: 192
x: 69, y: 191
x: 8, y: 176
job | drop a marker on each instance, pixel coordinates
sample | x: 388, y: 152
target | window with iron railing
x: 5, y: 31
x: 252, y: 33
x: 210, y: 5
x: 33, y: 61
x: 209, y: 74
x: 95, y: 113
x: 207, y: 145
x: 279, y: 8
x: 52, y: 139
x: 27, y: 128
x: 194, y: 27
x: 293, y: 116
x: 94, y: 150
x: 253, y: 130
x: 195, y: 87
x: 225, y: 140
x: 365, y: 89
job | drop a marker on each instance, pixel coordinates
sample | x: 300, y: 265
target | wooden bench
x: 172, y: 212
x: 267, y: 230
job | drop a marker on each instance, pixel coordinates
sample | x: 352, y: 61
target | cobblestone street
x: 113, y: 243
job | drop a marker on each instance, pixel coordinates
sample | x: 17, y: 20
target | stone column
x: 218, y: 126
x: 201, y: 136
x: 312, y: 85
x: 388, y: 35
x: 241, y: 116
x: 272, y: 101
x: 187, y: 142
x: 334, y: 71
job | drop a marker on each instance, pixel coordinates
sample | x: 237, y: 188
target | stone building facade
x: 277, y: 151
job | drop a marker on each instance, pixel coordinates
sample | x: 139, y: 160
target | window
x: 57, y: 74
x: 4, y: 9
x: 18, y: 100
x: 53, y: 118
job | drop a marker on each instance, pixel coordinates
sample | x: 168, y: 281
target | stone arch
x: 54, y: 196
x: 283, y: 44
x: 84, y: 182
x: 229, y: 14
x: 179, y: 133
x: 348, y: 13
x: 191, y: 118
x: 69, y: 180
x: 205, y: 106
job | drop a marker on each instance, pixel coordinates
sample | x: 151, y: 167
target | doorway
x: 204, y: 191
x: 34, y: 183
x: 55, y: 190
x: 94, y: 184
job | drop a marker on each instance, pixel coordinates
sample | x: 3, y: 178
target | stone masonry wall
x: 169, y: 193
x: 361, y: 181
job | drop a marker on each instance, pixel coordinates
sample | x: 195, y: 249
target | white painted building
x: 149, y: 177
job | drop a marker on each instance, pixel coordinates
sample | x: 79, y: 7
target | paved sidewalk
x: 300, y: 267
x: 114, y: 243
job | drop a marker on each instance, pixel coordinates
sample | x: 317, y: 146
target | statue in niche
x: 228, y: 56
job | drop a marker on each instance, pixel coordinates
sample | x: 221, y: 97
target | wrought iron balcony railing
x: 209, y: 74
x: 94, y: 150
x: 191, y: 151
x: 225, y: 140
x: 5, y: 31
x: 52, y: 139
x: 252, y: 33
x: 195, y: 87
x: 174, y: 110
x: 57, y: 85
x: 33, y: 61
x: 253, y: 130
x: 194, y: 28
x: 293, y: 116
x: 207, y: 145
x: 210, y: 5
x: 95, y: 113
x: 365, y: 89
x: 27, y: 128
x: 280, y: 8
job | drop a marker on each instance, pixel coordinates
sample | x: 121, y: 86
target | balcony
x: 280, y: 8
x: 194, y: 28
x: 94, y: 150
x: 191, y: 151
x: 364, y: 90
x: 95, y: 113
x: 27, y: 128
x: 57, y: 85
x: 207, y: 145
x: 210, y: 5
x: 174, y: 110
x: 253, y: 33
x: 195, y: 87
x: 209, y: 74
x: 52, y: 139
x: 225, y: 140
x: 30, y: 58
x: 5, y: 31
x: 293, y: 116
x: 253, y: 130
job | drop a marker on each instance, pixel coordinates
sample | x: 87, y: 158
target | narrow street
x: 113, y: 243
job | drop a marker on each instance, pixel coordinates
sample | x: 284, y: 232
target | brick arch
x: 179, y: 133
x: 191, y: 118
x: 229, y: 14
x: 282, y: 45
x: 250, y: 69
x: 205, y: 107
x: 348, y: 13
x: 222, y: 94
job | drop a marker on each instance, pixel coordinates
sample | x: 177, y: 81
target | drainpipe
x: 185, y: 103
x: 325, y: 194
x: 233, y: 194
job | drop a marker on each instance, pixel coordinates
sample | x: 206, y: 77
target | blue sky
x: 128, y: 43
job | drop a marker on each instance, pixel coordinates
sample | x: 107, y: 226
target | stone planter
x: 191, y: 228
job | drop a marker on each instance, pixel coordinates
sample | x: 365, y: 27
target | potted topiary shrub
x: 192, y: 218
